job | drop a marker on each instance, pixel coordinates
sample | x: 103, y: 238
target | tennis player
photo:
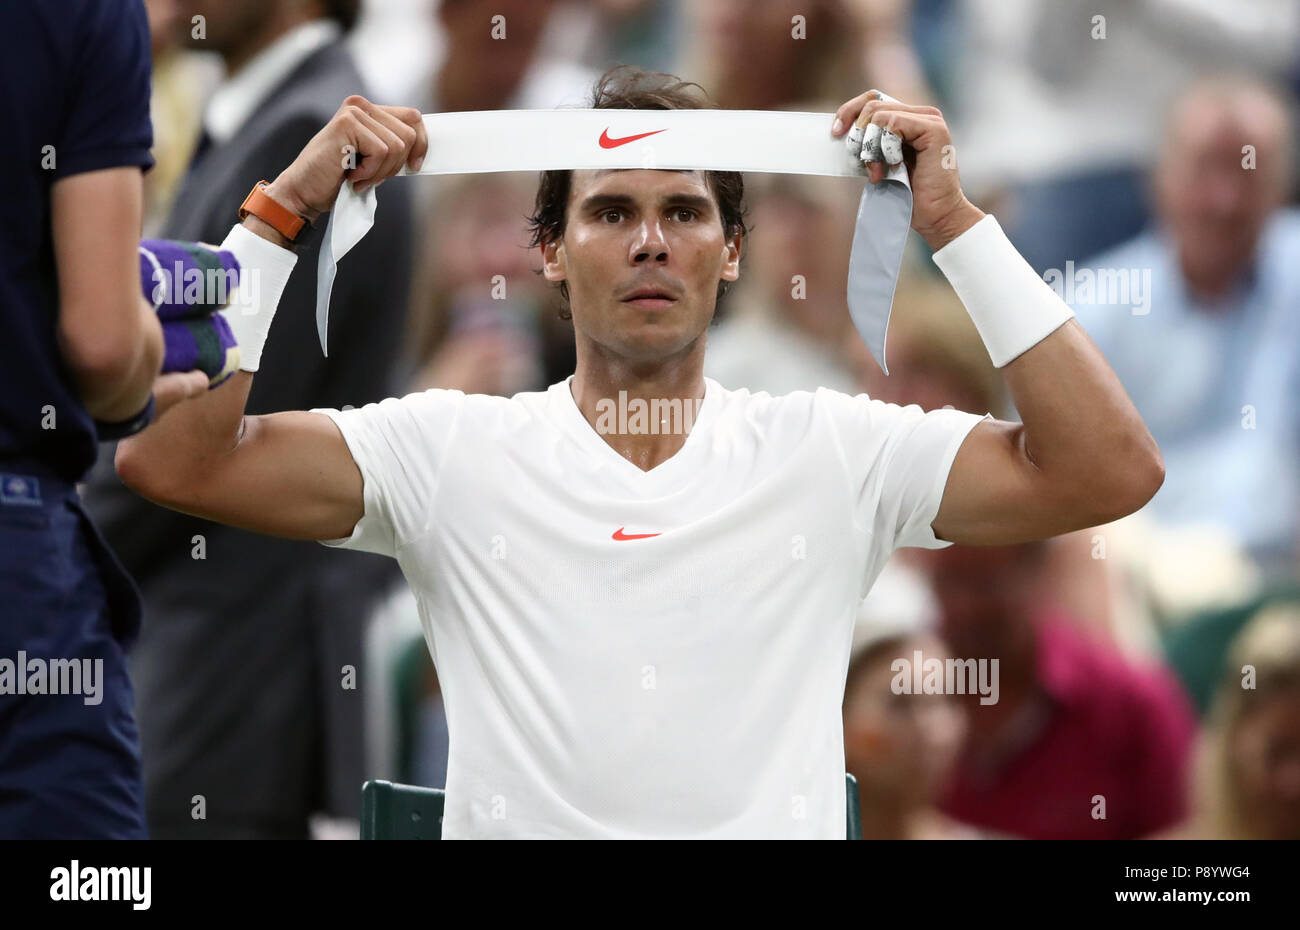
x: 641, y: 631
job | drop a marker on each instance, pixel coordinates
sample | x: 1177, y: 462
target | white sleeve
x: 399, y: 445
x: 898, y: 460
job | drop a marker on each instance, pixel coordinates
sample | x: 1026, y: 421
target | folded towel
x: 187, y: 283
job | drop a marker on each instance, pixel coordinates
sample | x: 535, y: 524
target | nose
x: 650, y: 243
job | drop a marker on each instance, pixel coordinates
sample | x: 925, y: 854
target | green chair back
x: 391, y: 811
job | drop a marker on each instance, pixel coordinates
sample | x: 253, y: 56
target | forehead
x: 587, y: 181
x: 1218, y: 124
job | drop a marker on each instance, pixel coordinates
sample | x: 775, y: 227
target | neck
x: 1211, y: 282
x: 651, y: 391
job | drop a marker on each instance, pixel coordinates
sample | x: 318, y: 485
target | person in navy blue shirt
x: 80, y: 355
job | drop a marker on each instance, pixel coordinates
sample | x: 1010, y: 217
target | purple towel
x: 187, y: 283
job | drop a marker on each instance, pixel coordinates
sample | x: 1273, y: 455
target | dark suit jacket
x: 239, y: 673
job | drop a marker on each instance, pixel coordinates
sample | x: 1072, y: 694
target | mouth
x: 649, y: 298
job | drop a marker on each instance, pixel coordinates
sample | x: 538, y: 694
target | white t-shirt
x: 600, y: 681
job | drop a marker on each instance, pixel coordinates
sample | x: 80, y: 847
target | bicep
x: 290, y: 475
x: 996, y: 495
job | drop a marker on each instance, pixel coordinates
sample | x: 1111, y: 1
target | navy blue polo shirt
x: 75, y: 75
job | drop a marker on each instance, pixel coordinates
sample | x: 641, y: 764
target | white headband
x: 776, y: 142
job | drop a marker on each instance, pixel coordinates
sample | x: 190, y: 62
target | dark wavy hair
x: 627, y: 87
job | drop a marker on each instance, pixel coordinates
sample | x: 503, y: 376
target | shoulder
x: 856, y: 425
x: 789, y: 403
x: 762, y: 409
x: 1135, y: 251
x: 830, y: 407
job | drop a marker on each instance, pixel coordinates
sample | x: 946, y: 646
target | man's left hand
x: 940, y: 211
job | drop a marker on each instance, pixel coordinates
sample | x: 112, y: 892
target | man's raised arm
x: 284, y: 474
x: 1082, y: 455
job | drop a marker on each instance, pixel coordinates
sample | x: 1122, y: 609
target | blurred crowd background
x: 1140, y: 152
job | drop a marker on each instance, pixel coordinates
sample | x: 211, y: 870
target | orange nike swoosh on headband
x: 622, y: 537
x: 607, y: 143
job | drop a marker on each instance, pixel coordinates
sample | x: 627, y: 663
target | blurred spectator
x: 182, y: 80
x: 1080, y: 743
x: 899, y: 40
x: 935, y: 354
x: 481, y: 320
x: 1198, y: 318
x: 752, y: 55
x: 900, y: 746
x: 1195, y: 647
x: 787, y: 327
x: 1058, y: 102
x: 1248, y: 776
x: 937, y: 359
x: 398, y: 47
x: 647, y: 33
x: 526, y: 59
x: 241, y: 669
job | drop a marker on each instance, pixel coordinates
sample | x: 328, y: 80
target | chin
x: 658, y: 336
x: 653, y: 348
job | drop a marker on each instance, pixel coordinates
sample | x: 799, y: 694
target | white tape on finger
x: 708, y: 140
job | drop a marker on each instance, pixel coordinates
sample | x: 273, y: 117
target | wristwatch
x: 270, y: 211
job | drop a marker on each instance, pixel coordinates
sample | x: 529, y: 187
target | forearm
x: 1079, y: 432
x: 1079, y: 426
x: 188, y: 441
x: 117, y: 394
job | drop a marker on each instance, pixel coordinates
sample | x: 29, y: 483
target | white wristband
x: 264, y: 269
x: 1013, y: 308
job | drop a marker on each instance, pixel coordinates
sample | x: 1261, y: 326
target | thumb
x: 171, y: 389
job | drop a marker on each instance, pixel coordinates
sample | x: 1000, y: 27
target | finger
x: 415, y: 119
x: 884, y: 138
x: 370, y: 149
x: 390, y: 157
x: 849, y: 110
x: 871, y: 107
x: 405, y: 123
x: 874, y: 144
x: 919, y: 130
x: 399, y: 139
x: 368, y: 115
x: 400, y: 128
x: 170, y: 389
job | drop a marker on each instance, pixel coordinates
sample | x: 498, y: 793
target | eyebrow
x: 606, y: 201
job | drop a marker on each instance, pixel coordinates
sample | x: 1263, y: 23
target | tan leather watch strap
x: 274, y: 214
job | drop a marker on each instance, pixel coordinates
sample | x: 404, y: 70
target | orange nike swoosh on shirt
x: 607, y: 143
x: 621, y: 536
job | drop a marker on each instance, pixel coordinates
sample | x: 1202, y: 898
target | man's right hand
x: 364, y: 143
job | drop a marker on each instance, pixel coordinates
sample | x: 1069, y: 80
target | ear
x: 554, y: 261
x: 731, y: 257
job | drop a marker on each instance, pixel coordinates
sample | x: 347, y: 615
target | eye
x: 690, y: 214
x: 612, y: 212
